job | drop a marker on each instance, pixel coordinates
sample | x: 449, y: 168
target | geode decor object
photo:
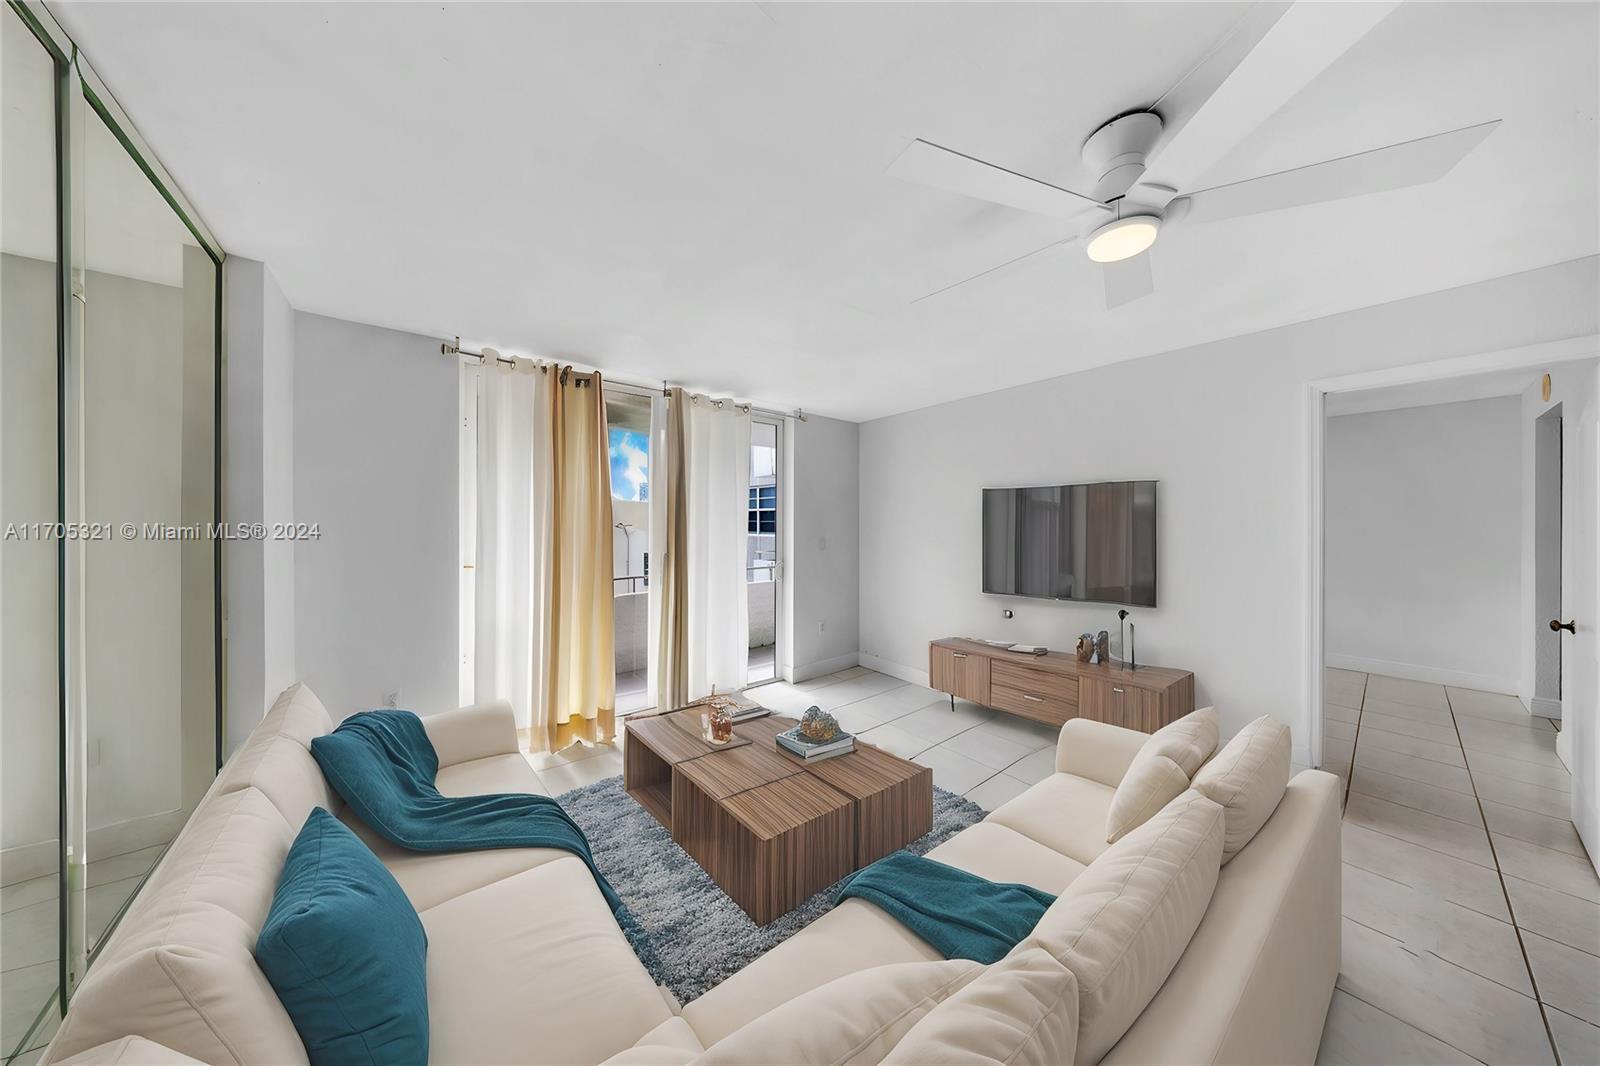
x: 818, y: 725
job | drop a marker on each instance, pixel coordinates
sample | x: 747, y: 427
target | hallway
x: 1472, y: 912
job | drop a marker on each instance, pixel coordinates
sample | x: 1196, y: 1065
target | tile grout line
x: 1355, y: 743
x: 1405, y: 1023
x: 1500, y: 876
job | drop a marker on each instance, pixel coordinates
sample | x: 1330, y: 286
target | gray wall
x: 1423, y: 543
x: 375, y: 441
x: 260, y: 488
x: 822, y: 505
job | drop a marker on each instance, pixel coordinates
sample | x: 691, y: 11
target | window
x: 763, y: 509
x: 630, y: 462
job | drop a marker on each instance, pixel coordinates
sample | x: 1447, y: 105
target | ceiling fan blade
x: 1184, y: 100
x: 1398, y: 166
x: 994, y: 269
x: 941, y: 168
x: 1296, y: 46
x: 1128, y: 280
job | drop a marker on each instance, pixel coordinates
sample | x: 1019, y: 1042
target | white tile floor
x: 984, y: 755
x: 1471, y: 910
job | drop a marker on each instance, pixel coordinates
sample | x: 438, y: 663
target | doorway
x: 763, y: 571
x: 1451, y: 524
x: 628, y: 421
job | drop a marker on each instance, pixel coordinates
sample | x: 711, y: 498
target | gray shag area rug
x: 685, y: 929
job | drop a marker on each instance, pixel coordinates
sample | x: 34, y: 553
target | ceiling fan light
x: 1123, y: 238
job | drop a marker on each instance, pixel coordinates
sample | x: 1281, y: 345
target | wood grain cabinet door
x: 962, y: 674
x: 1121, y: 704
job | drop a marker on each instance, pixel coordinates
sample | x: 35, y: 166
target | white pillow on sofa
x: 1122, y: 925
x: 1022, y: 1011
x: 1248, y: 778
x: 1161, y: 771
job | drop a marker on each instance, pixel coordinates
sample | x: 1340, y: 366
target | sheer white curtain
x: 512, y: 569
x: 718, y: 484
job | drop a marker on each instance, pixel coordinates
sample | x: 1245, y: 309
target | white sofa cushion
x: 1253, y: 984
x: 475, y: 732
x: 428, y: 878
x: 180, y: 970
x: 1123, y: 924
x: 672, y: 1043
x: 276, y: 758
x: 853, y: 1019
x: 1098, y: 751
x: 853, y: 936
x: 129, y: 1051
x: 1161, y: 771
x: 1022, y: 1011
x: 534, y: 969
x: 1247, y: 778
x: 992, y: 851
x: 1064, y: 812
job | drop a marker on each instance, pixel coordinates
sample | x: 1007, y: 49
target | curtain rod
x: 484, y: 356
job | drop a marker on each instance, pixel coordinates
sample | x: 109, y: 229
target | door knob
x: 1557, y: 624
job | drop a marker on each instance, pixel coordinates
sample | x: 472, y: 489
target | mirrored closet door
x: 30, y: 694
x: 110, y: 639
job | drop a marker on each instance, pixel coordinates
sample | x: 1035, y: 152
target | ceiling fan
x: 1147, y: 161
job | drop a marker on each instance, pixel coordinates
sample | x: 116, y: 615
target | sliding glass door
x: 762, y: 565
x: 110, y: 636
x: 628, y: 425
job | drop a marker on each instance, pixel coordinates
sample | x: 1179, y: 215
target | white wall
x: 821, y: 506
x: 1423, y: 543
x: 1222, y: 426
x: 375, y: 437
x: 259, y: 488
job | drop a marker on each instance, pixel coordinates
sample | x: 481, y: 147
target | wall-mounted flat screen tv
x: 1095, y: 543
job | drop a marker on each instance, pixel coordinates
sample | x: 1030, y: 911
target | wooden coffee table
x: 770, y: 830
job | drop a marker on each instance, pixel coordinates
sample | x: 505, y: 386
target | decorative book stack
x: 796, y: 743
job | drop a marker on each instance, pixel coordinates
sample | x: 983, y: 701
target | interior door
x: 1581, y: 662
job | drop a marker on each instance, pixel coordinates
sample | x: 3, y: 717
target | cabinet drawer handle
x: 958, y: 654
x: 1117, y: 690
x: 1032, y: 699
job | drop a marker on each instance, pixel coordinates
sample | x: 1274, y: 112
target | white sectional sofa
x: 527, y: 965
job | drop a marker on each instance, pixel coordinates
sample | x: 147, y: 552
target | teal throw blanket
x: 963, y: 915
x: 383, y: 764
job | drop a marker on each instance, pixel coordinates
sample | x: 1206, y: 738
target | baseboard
x: 1430, y: 674
x: 1545, y: 707
x: 27, y: 861
x: 807, y: 671
x: 894, y: 669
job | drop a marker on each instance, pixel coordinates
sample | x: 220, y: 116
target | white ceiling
x: 696, y: 192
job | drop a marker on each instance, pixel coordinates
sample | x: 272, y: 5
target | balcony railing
x: 630, y: 583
